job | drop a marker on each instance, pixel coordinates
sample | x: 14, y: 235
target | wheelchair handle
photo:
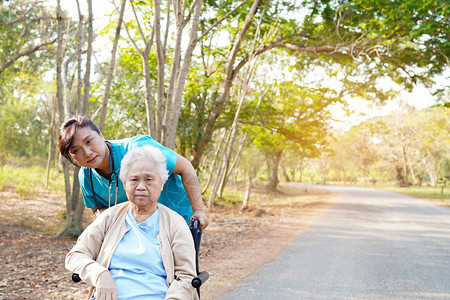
x: 194, y: 223
x: 200, y: 279
x: 76, y: 278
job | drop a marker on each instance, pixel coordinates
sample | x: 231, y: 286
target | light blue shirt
x: 136, y: 264
x: 173, y: 195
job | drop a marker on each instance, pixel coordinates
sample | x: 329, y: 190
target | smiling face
x: 89, y: 149
x: 143, y: 184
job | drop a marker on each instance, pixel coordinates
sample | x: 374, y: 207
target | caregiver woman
x: 139, y: 249
x: 82, y: 143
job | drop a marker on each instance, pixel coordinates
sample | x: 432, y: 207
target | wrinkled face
x: 89, y: 149
x: 143, y: 184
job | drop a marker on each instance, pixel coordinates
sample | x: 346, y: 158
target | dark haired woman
x: 82, y: 143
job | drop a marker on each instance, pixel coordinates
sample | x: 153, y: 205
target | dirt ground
x: 233, y: 245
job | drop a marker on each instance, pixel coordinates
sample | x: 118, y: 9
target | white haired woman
x: 138, y: 249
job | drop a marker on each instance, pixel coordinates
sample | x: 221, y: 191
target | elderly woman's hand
x: 106, y: 287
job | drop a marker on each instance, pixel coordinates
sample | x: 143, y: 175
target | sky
x: 420, y: 98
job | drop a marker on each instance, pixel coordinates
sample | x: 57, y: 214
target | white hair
x: 149, y: 153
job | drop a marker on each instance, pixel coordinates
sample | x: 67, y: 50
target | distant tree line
x: 407, y: 147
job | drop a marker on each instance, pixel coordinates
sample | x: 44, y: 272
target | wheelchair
x: 201, y: 277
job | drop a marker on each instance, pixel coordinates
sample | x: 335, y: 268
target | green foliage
x: 126, y: 107
x: 23, y: 91
x: 202, y: 89
x: 291, y: 116
x: 445, y: 168
x: 24, y: 25
x: 23, y: 131
x: 403, y: 40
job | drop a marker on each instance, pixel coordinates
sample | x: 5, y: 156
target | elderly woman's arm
x: 81, y: 260
x: 184, y: 263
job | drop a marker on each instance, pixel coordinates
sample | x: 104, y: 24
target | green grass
x: 432, y: 193
x: 27, y: 180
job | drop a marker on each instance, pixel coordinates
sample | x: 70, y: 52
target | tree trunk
x: 213, y: 169
x: 87, y: 75
x: 219, y: 177
x: 174, y: 71
x: 145, y: 69
x: 161, y: 63
x: 242, y: 94
x: 431, y: 173
x: 323, y: 169
x: 52, y: 140
x: 80, y: 42
x: 74, y: 226
x: 301, y: 168
x: 411, y: 170
x: 247, y: 195
x: 285, y: 174
x: 148, y: 96
x: 109, y: 76
x: 60, y: 99
x: 273, y: 180
x: 230, y: 75
x: 230, y: 143
x: 172, y: 114
x: 400, y: 178
x: 75, y: 214
x: 420, y: 176
x: 224, y: 170
x: 405, y: 167
x: 66, y: 97
x: 231, y: 168
x: 293, y: 171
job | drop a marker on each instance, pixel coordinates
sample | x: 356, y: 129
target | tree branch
x: 137, y: 21
x: 24, y: 53
x: 22, y: 16
x: 220, y: 21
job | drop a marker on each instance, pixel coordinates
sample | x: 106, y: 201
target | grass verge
x: 432, y: 193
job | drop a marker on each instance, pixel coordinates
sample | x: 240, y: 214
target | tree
x: 406, y: 145
x: 26, y: 50
x: 291, y: 116
x: 67, y: 105
x: 101, y: 112
x: 27, y: 27
x: 362, y: 42
x: 432, y: 140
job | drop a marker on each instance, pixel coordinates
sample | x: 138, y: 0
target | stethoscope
x: 113, y: 172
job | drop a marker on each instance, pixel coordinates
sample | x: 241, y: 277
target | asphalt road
x: 370, y: 245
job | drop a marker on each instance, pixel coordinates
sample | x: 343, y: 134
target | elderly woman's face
x: 143, y: 184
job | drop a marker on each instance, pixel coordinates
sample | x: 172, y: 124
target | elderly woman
x: 138, y: 249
